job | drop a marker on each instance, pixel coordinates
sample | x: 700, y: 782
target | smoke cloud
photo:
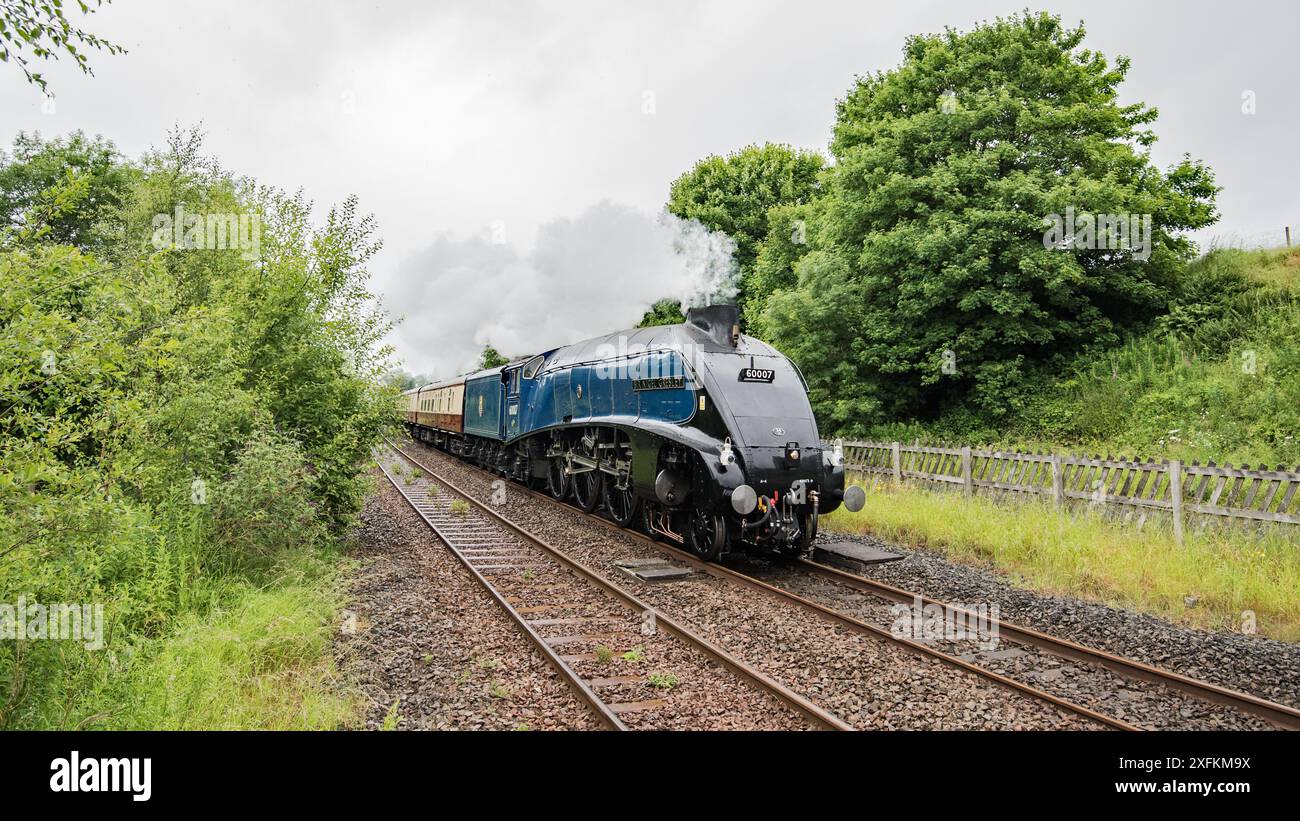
x: 595, y: 273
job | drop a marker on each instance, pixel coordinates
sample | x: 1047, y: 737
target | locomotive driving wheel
x: 588, y: 485
x: 621, y: 504
x: 708, y: 534
x: 558, y: 482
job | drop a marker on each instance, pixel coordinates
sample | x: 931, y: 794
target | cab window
x: 534, y: 365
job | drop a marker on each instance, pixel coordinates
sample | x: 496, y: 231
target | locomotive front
x: 773, y: 475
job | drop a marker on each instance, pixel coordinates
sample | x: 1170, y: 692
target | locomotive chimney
x: 720, y: 322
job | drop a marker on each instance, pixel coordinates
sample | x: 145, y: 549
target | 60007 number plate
x: 756, y: 374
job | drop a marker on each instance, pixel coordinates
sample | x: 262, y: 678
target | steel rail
x: 1278, y: 714
x: 824, y: 612
x: 759, y: 679
x: 602, y: 710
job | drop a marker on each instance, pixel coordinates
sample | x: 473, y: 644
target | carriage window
x: 534, y: 365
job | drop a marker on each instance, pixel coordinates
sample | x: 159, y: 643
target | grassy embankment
x: 1219, y: 378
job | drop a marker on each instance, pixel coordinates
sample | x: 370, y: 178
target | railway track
x: 1278, y: 715
x: 1273, y: 714
x: 822, y: 611
x: 514, y: 566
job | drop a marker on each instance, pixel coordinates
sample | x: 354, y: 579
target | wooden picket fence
x: 1170, y: 486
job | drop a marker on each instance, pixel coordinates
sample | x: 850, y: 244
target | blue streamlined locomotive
x: 698, y: 433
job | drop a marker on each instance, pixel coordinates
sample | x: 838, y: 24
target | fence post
x: 896, y: 455
x: 1058, y: 489
x: 1176, y: 496
x: 966, y: 480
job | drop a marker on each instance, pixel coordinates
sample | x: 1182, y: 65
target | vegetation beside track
x: 1210, y: 581
x: 1216, y: 378
x: 183, y: 431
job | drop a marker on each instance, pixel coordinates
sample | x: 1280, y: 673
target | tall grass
x: 246, y: 653
x: 1080, y: 553
x: 263, y: 661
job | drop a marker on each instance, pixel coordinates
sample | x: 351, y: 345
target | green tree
x: 166, y: 414
x: 402, y: 380
x: 36, y: 169
x: 928, y: 280
x: 490, y: 358
x: 663, y: 312
x: 42, y: 28
x: 734, y: 194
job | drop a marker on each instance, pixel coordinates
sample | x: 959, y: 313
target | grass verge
x: 1083, y: 554
x: 260, y: 658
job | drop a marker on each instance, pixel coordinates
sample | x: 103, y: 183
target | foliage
x: 1083, y: 554
x: 663, y: 681
x: 928, y: 245
x: 264, y: 505
x: 491, y: 358
x: 177, y: 425
x: 1215, y: 378
x: 39, y: 169
x: 260, y: 659
x: 734, y: 194
x: 635, y: 654
x: 42, y: 27
x: 403, y: 381
x: 663, y: 312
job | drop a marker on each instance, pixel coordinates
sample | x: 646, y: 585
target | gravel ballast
x: 1144, y: 704
x: 427, y: 637
x: 869, y: 682
x: 1263, y: 667
x: 655, y: 680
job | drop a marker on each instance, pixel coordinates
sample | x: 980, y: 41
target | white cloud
x: 592, y: 274
x: 445, y: 117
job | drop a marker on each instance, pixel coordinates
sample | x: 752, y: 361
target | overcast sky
x: 508, y: 149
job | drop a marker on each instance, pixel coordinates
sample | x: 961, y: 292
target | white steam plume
x: 593, y: 274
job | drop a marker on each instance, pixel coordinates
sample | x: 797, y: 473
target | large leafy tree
x: 734, y: 194
x: 927, y: 279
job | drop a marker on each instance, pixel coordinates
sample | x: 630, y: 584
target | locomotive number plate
x: 756, y: 374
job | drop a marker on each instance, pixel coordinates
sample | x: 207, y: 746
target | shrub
x: 264, y: 507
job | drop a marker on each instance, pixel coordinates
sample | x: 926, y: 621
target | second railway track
x: 925, y: 676
x: 581, y: 623
x: 1219, y: 707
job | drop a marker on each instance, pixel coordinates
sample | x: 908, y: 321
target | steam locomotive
x: 694, y: 432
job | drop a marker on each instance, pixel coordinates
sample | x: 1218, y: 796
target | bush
x: 127, y: 375
x: 264, y: 507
